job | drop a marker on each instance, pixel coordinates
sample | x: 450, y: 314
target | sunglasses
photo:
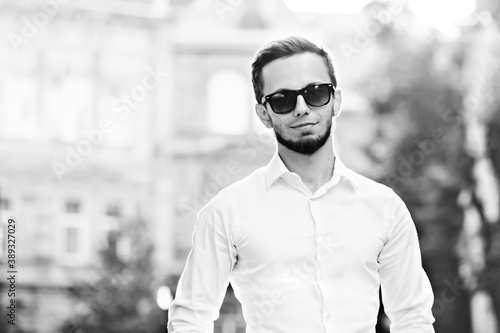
x: 284, y: 101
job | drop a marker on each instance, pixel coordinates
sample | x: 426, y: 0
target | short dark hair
x: 281, y: 49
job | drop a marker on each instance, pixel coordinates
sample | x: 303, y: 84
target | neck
x: 314, y: 170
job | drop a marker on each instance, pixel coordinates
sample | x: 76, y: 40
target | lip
x: 304, y: 125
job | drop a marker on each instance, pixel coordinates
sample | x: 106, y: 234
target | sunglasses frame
x: 300, y: 92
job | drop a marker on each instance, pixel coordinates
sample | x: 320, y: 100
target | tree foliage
x: 419, y: 106
x: 121, y: 299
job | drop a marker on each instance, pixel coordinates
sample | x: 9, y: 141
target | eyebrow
x: 285, y: 89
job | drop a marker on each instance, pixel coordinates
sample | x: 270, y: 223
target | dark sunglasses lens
x: 317, y: 95
x: 283, y: 102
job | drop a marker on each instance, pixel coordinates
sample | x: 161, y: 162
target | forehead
x: 294, y: 72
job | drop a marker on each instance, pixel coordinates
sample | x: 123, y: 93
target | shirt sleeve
x: 406, y: 291
x: 203, y: 283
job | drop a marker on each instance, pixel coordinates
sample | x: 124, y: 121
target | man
x: 305, y: 242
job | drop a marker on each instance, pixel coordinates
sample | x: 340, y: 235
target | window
x: 228, y: 104
x: 5, y: 214
x: 71, y: 240
x: 29, y: 199
x: 113, y: 210
x: 19, y: 117
x: 3, y: 238
x: 72, y: 206
x: 67, y: 104
x: 4, y: 204
x: 73, y: 236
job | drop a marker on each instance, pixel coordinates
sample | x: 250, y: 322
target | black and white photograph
x: 250, y: 166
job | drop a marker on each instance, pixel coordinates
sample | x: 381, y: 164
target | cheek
x: 277, y: 121
x: 328, y: 113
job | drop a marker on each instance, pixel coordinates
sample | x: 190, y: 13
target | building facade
x: 121, y: 110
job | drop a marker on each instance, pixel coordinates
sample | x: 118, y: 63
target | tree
x: 420, y: 144
x: 481, y: 84
x: 122, y: 299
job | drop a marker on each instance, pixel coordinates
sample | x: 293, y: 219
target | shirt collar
x: 276, y: 169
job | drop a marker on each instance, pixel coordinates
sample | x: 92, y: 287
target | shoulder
x: 394, y: 212
x: 247, y: 186
x: 370, y: 186
x: 243, y: 189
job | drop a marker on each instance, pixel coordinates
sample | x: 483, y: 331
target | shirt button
x: 321, y: 276
x: 328, y: 316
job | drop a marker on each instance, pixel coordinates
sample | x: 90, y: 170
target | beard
x: 305, y: 146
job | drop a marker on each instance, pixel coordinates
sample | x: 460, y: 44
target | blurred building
x: 118, y: 110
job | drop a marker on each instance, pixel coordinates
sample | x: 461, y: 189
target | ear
x: 263, y: 115
x: 337, y: 102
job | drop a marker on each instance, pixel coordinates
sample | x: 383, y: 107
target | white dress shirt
x: 303, y: 262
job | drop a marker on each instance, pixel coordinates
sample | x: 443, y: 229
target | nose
x: 301, y: 108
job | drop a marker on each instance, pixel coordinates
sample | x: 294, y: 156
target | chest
x: 282, y: 230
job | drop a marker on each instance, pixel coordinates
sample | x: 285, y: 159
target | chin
x: 309, y: 133
x: 306, y: 145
